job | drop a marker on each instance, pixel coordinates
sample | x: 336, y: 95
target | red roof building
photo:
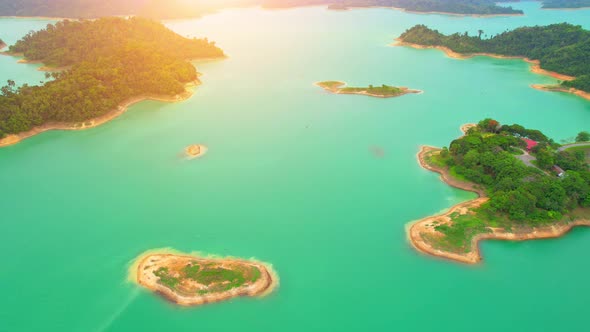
x: 530, y: 144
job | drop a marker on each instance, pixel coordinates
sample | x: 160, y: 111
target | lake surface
x: 291, y: 178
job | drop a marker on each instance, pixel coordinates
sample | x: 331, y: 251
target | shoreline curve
x: 417, y: 229
x: 535, y: 64
x: 557, y: 88
x: 100, y: 120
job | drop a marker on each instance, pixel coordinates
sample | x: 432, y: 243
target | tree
x: 545, y: 159
x: 583, y: 136
x: 479, y: 33
x: 489, y: 125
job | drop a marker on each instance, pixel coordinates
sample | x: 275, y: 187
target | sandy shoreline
x: 558, y: 88
x: 420, y: 230
x: 91, y: 123
x: 144, y: 266
x: 535, y: 64
x: 337, y: 89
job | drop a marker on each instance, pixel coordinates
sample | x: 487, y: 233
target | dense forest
x: 479, y: 7
x: 562, y: 48
x: 110, y: 60
x: 487, y: 155
x: 566, y: 3
x: 161, y: 9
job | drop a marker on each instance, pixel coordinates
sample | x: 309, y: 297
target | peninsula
x: 110, y: 64
x: 383, y: 91
x: 190, y: 280
x: 558, y: 50
x: 452, y: 7
x: 528, y: 187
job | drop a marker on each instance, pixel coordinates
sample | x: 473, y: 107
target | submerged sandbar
x: 194, y: 280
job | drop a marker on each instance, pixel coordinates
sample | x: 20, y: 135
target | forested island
x: 161, y: 9
x: 557, y: 4
x: 112, y: 63
x: 560, y: 48
x: 383, y: 91
x: 192, y: 280
x: 529, y: 187
x: 462, y: 7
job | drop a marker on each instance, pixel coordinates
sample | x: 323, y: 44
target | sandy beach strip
x: 558, y: 88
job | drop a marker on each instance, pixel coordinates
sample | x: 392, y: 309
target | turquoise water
x: 290, y: 178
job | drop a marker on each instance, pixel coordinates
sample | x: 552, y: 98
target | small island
x: 558, y: 50
x: 383, y: 91
x: 566, y: 4
x: 104, y: 66
x: 528, y: 187
x: 195, y: 151
x: 190, y: 280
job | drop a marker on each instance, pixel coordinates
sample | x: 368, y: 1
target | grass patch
x: 331, y: 84
x: 211, y: 275
x: 435, y: 159
x: 584, y: 149
x: 384, y: 90
x: 457, y: 237
x: 166, y: 279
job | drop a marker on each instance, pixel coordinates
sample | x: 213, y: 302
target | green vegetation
x: 520, y: 196
x: 384, y: 90
x: 161, y: 9
x: 459, y: 235
x: 378, y: 91
x: 566, y: 3
x: 581, y: 151
x: 583, y: 136
x: 331, y: 85
x: 111, y: 60
x: 215, y: 278
x: 471, y: 7
x: 166, y: 279
x: 562, y: 48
